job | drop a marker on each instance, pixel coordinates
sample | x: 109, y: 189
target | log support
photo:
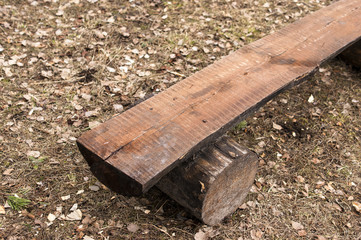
x: 352, y: 54
x: 215, y: 183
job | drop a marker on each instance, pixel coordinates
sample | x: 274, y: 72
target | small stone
x: 94, y: 188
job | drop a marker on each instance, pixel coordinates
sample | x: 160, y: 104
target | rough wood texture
x: 215, y: 183
x: 352, y: 54
x: 147, y: 141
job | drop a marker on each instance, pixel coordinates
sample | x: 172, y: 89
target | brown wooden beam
x: 215, y: 183
x: 146, y: 142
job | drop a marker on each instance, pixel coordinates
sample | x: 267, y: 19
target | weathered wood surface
x: 215, y: 183
x: 144, y: 143
x: 352, y: 54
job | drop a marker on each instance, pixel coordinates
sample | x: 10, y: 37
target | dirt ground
x: 67, y: 65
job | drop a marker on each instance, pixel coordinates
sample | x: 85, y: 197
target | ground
x: 65, y: 66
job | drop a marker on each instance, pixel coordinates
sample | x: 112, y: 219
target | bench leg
x: 215, y: 183
x: 352, y: 54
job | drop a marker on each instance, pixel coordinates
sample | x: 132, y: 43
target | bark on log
x: 352, y: 54
x: 215, y: 183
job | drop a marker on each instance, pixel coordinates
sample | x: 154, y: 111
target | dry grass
x: 81, y: 58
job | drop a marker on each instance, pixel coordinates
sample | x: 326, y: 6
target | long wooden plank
x: 144, y: 143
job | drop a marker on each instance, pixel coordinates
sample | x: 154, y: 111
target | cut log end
x: 110, y: 176
x: 215, y: 183
x: 352, y: 54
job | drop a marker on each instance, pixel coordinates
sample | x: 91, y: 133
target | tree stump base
x: 215, y: 183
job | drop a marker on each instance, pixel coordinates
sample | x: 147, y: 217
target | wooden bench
x: 153, y: 142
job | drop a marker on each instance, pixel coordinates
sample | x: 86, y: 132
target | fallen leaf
x: 276, y: 126
x: 65, y: 197
x: 99, y: 34
x: 2, y: 209
x: 74, y: 207
x: 94, y: 188
x: 8, y: 171
x: 80, y: 192
x: 251, y: 204
x: 93, y: 124
x: 256, y: 235
x: 311, y: 99
x: 110, y: 69
x: 86, y: 220
x: 8, y: 72
x: 58, y: 32
x: 86, y: 237
x: 302, y: 233
x: 34, y: 154
x: 320, y: 237
x: 206, y: 233
x: 91, y: 113
x: 297, y: 226
x: 86, y: 96
x: 200, y: 235
x: 77, y: 123
x: 133, y: 227
x: 300, y: 179
x: 357, y: 206
x: 315, y: 161
x: 47, y: 74
x: 243, y: 206
x: 74, y: 216
x: 59, y: 12
x: 118, y: 107
x: 51, y: 217
x: 65, y: 73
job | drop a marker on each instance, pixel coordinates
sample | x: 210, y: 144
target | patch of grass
x: 241, y: 126
x: 18, y: 203
x: 36, y: 161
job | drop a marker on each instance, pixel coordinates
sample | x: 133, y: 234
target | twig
x: 164, y: 231
x: 177, y: 74
x: 60, y: 81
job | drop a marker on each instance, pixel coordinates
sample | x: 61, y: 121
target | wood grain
x: 147, y: 141
x: 215, y: 183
